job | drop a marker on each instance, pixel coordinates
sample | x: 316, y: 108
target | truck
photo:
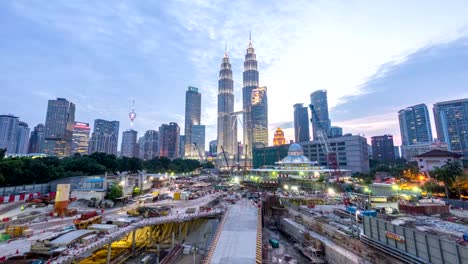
x: 274, y: 243
x: 190, y: 210
x: 87, y: 219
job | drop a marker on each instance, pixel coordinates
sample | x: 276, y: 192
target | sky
x: 373, y: 57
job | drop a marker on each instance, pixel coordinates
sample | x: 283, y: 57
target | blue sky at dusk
x: 373, y: 57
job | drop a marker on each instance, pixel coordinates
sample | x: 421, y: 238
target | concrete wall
x: 88, y: 195
x: 415, y: 244
x: 30, y: 188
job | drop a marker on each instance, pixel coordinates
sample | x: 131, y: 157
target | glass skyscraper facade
x: 60, y: 120
x: 227, y: 125
x: 301, y: 123
x: 149, y: 145
x: 321, y: 119
x: 259, y: 107
x: 192, y: 118
x: 129, y: 146
x: 198, y: 139
x: 250, y: 81
x: 8, y: 132
x: 415, y: 125
x: 451, y: 120
x: 80, y: 138
x: 104, y: 137
x: 169, y: 137
x: 36, y: 139
x: 22, y: 138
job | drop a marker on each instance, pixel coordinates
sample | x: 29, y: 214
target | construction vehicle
x: 87, y: 219
x: 190, y: 210
x: 44, y: 199
x: 15, y: 231
x: 149, y: 211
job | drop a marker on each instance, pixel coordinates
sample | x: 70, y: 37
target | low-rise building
x: 435, y: 158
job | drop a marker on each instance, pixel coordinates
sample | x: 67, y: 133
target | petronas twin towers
x: 254, y: 108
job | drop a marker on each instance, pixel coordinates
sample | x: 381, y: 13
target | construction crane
x: 225, y: 158
x: 322, y: 136
x: 200, y: 153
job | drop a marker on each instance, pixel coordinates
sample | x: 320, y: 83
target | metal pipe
x: 109, y: 248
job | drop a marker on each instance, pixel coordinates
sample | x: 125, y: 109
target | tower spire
x: 250, y: 39
x: 225, y: 49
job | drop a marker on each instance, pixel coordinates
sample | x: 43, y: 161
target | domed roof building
x: 295, y: 157
x: 295, y: 169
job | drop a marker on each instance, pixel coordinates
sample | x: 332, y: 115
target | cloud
x: 101, y: 55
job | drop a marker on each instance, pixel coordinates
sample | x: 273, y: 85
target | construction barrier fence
x: 412, y: 244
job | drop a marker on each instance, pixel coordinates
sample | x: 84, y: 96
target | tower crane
x: 322, y: 135
x: 200, y: 154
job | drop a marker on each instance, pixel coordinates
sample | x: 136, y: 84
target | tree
x: 136, y: 191
x: 114, y: 192
x: 447, y: 174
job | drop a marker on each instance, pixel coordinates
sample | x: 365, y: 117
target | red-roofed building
x: 435, y: 158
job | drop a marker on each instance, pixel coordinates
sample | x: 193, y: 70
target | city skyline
x: 364, y: 79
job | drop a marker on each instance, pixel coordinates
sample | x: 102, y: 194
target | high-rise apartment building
x: 8, y: 132
x: 259, y: 112
x: 36, y: 139
x: 192, y: 118
x: 451, y: 119
x: 149, y: 145
x: 415, y: 125
x: 129, y: 146
x: 105, y: 137
x: 80, y: 142
x: 383, y: 148
x: 251, y: 82
x: 301, y: 123
x: 22, y: 138
x: 227, y: 125
x: 169, y: 137
x: 198, y: 141
x: 60, y: 120
x: 320, y: 119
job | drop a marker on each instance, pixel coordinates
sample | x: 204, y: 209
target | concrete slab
x: 237, y: 241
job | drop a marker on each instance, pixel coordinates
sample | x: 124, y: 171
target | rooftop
x: 439, y: 153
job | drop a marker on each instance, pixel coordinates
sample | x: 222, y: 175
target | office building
x: 320, y: 118
x: 213, y: 149
x: 182, y: 146
x: 104, y: 137
x: 169, y: 140
x: 278, y: 138
x: 250, y: 82
x: 351, y: 153
x: 301, y: 123
x: 396, y: 150
x: 60, y: 120
x: 8, y: 133
x: 227, y: 122
x: 259, y: 117
x: 129, y: 146
x: 198, y: 141
x: 192, y: 118
x: 36, y: 139
x: 336, y: 131
x: 80, y: 142
x: 149, y: 145
x: 22, y: 138
x: 383, y: 148
x: 451, y: 120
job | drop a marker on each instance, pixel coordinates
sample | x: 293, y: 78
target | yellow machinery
x: 83, y: 224
x: 15, y: 231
